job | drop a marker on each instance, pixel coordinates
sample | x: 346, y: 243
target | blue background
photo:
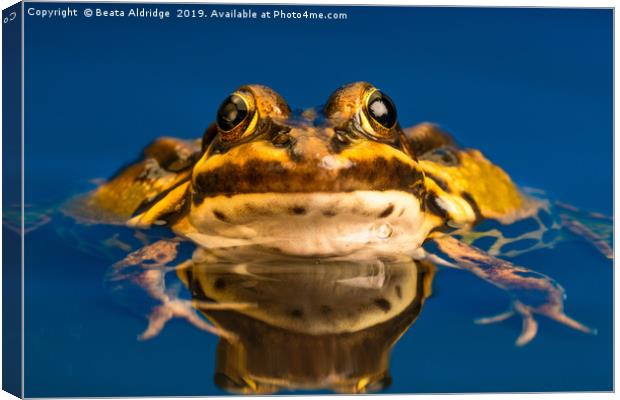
x: 531, y: 88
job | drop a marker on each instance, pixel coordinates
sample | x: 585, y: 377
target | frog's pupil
x: 382, y: 109
x: 232, y: 112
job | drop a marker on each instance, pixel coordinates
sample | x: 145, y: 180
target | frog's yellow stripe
x: 172, y: 203
x: 367, y: 150
x: 458, y: 211
x: 486, y: 185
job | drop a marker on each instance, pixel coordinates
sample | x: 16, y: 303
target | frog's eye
x: 236, y: 116
x: 381, y: 109
x: 232, y: 112
x: 378, y: 117
x: 360, y: 107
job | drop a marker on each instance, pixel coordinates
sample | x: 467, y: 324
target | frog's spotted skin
x: 344, y: 181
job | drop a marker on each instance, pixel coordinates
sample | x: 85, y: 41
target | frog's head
x: 257, y: 145
x: 342, y: 177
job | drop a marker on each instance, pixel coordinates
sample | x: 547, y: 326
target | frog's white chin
x: 312, y: 224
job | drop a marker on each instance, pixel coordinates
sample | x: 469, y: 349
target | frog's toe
x: 558, y: 315
x: 530, y: 326
x: 495, y: 318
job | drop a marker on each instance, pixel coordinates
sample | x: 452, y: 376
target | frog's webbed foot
x: 531, y: 292
x: 529, y: 325
x: 529, y: 328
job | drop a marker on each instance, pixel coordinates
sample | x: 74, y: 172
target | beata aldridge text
x: 134, y: 12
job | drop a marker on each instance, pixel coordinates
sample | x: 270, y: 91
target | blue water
x: 531, y: 88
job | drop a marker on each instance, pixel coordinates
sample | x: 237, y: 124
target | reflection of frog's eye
x: 235, y: 117
x: 380, y: 114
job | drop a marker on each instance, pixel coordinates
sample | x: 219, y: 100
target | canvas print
x: 299, y: 199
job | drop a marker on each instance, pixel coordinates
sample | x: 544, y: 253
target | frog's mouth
x: 312, y: 224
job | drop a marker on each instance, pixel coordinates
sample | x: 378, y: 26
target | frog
x: 343, y: 181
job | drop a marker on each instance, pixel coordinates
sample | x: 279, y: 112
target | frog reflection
x: 312, y: 325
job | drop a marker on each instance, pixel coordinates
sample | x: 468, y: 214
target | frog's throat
x: 311, y: 224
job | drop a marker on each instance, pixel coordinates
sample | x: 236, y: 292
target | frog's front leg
x: 145, y: 269
x: 532, y: 292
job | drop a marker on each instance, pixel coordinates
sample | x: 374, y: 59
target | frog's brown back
x: 164, y: 165
x: 463, y: 185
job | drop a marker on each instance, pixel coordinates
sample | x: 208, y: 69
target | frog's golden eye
x: 236, y: 116
x: 381, y: 109
x: 379, y: 114
x: 232, y: 112
x: 360, y: 108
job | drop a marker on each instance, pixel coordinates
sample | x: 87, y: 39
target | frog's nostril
x: 342, y: 138
x: 339, y: 141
